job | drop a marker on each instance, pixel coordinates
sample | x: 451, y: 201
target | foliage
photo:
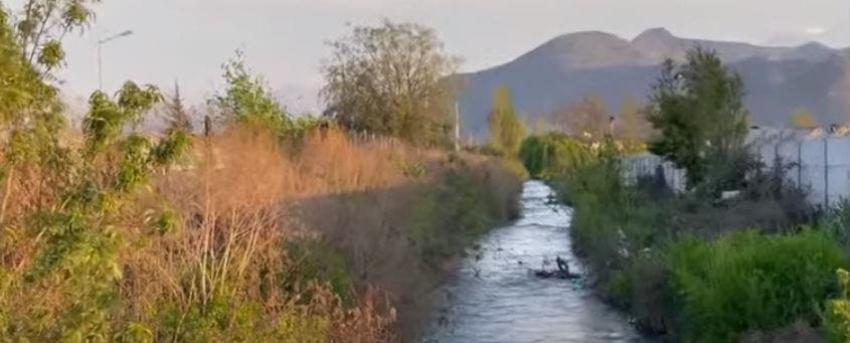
x: 247, y: 100
x: 698, y: 109
x: 449, y: 218
x: 79, y: 254
x: 42, y: 25
x: 553, y: 154
x: 748, y: 280
x: 506, y: 128
x: 589, y: 119
x: 391, y: 80
x: 633, y: 128
x: 804, y: 119
x: 624, y: 233
x: 318, y: 260
x: 837, y: 316
x: 178, y: 116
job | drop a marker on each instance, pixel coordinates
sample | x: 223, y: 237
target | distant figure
x: 563, y: 271
x: 563, y: 266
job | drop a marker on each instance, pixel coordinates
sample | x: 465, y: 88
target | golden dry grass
x: 239, y: 197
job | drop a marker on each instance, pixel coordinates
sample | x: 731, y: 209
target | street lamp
x: 100, y: 44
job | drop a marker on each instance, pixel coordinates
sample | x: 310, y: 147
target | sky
x: 186, y: 41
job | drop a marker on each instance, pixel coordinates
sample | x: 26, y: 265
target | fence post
x: 826, y: 170
x: 800, y: 164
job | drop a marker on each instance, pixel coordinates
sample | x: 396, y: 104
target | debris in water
x: 563, y: 271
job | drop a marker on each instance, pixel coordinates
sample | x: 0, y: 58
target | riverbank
x: 691, y: 270
x: 250, y: 238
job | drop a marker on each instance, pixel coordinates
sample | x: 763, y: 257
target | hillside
x: 779, y: 80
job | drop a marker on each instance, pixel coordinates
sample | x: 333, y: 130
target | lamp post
x: 100, y: 44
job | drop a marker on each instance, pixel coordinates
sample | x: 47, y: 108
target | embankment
x: 703, y: 271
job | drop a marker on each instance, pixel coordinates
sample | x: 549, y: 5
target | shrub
x: 553, y: 154
x: 837, y: 316
x: 750, y: 281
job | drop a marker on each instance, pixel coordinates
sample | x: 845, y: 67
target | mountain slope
x: 779, y: 80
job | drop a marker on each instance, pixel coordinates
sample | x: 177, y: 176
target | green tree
x: 247, y: 99
x: 42, y: 24
x: 30, y: 110
x: 554, y: 154
x: 506, y: 128
x: 393, y: 80
x: 697, y: 107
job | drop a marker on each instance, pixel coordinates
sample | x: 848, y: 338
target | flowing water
x: 494, y: 297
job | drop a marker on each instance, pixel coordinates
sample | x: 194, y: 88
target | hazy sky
x: 187, y: 40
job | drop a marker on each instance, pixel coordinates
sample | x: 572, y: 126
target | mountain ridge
x: 562, y: 70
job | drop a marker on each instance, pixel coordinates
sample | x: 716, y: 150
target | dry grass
x: 214, y: 232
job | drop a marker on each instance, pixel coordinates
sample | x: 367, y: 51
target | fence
x: 819, y: 162
x: 644, y: 165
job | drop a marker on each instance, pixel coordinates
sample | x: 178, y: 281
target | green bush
x: 553, y: 154
x: 748, y: 281
x: 837, y: 316
x: 449, y: 217
x: 318, y: 260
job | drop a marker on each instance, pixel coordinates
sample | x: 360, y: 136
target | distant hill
x: 779, y: 80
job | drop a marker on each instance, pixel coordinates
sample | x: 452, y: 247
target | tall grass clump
x: 748, y: 281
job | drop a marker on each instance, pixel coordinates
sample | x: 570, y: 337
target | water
x: 494, y: 298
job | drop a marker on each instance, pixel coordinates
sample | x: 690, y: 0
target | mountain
x: 779, y: 80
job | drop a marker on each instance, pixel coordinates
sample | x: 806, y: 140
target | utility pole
x: 100, y: 44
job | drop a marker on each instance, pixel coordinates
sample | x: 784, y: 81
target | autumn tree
x: 632, y: 126
x: 697, y: 107
x: 589, y: 119
x: 506, y: 128
x: 804, y: 119
x: 391, y: 79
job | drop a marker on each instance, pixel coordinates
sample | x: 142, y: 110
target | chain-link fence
x: 818, y: 162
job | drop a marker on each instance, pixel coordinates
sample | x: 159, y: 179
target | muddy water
x: 495, y: 298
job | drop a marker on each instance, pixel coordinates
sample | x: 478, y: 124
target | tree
x: 178, y: 116
x: 393, y: 80
x: 247, y: 99
x: 633, y: 126
x: 30, y: 109
x: 697, y: 107
x: 804, y: 119
x: 42, y: 25
x: 506, y: 128
x: 588, y: 119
